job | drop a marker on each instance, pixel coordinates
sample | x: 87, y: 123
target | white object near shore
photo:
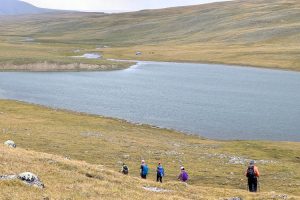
x: 89, y: 56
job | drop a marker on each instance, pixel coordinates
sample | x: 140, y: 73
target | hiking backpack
x: 145, y: 170
x: 125, y: 169
x: 251, y: 172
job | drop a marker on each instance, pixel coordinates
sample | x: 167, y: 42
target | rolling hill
x: 263, y: 33
x: 16, y: 7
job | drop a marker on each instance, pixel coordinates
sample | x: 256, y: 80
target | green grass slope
x: 258, y: 32
x: 77, y: 180
x: 218, y: 165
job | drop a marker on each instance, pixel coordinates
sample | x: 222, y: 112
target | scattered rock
x: 233, y: 198
x: 10, y: 144
x: 91, y: 134
x: 173, y: 153
x: 26, y: 177
x: 8, y: 177
x: 235, y: 160
x: 280, y: 196
x: 155, y: 189
x: 31, y: 179
x: 67, y: 158
x: 126, y: 156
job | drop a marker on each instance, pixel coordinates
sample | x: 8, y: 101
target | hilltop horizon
x: 118, y: 6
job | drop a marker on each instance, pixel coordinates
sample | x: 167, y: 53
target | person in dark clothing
x: 160, y: 173
x: 125, y: 169
x: 144, y: 170
x: 252, y: 174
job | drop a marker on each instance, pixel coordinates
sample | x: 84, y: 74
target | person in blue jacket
x: 144, y: 170
x: 160, y: 172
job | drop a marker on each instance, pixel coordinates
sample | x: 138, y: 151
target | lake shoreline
x: 56, y: 67
x: 146, y: 125
x: 208, y: 63
x: 85, y: 67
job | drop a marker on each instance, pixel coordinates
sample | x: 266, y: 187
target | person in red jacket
x: 252, y: 174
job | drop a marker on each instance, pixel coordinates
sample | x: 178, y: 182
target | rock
x: 8, y: 177
x: 155, y: 189
x: 126, y: 156
x: 91, y: 134
x: 10, y: 144
x: 233, y: 198
x: 280, y: 196
x: 31, y: 179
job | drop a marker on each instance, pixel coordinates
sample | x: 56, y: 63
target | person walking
x: 252, y: 174
x: 183, y: 176
x: 160, y: 172
x: 144, y: 170
x: 125, y: 169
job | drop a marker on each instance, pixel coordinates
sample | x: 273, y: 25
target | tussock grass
x: 109, y: 142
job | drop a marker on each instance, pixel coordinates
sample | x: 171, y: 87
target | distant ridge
x: 16, y: 7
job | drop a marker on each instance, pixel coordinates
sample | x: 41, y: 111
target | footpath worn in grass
x: 216, y: 168
x: 262, y: 33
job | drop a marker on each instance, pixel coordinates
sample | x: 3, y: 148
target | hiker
x: 125, y: 169
x: 183, y: 176
x: 144, y: 170
x: 252, y: 174
x: 160, y: 172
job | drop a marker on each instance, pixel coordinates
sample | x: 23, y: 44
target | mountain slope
x: 16, y: 7
x: 261, y: 33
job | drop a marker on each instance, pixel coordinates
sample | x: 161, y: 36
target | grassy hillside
x: 216, y: 168
x: 258, y: 32
x: 71, y: 179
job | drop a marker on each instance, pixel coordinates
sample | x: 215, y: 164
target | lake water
x: 215, y: 101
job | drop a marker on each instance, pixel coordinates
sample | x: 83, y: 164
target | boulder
x: 31, y: 179
x: 10, y: 144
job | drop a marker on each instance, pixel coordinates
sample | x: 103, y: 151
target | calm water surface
x: 215, y: 101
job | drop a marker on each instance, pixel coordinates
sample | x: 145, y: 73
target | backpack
x: 145, y: 170
x: 250, y: 172
x: 185, y: 176
x: 125, y: 169
x: 160, y: 171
